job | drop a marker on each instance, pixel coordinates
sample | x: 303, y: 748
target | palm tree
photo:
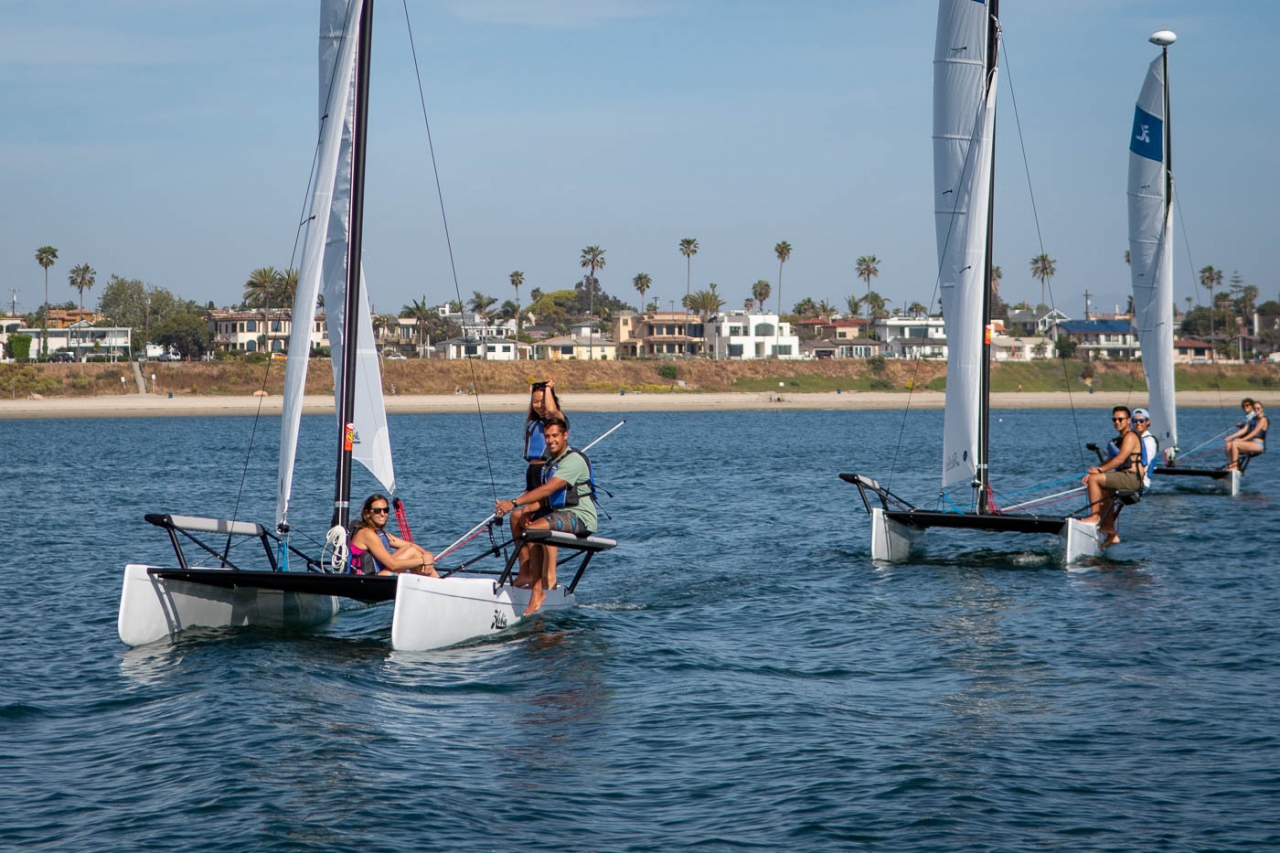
x: 287, y: 287
x: 783, y: 251
x: 423, y: 314
x: 481, y: 304
x: 996, y: 275
x: 917, y: 309
x: 688, y: 248
x: 82, y: 278
x: 868, y: 268
x: 258, y: 290
x: 826, y: 309
x: 642, y: 283
x: 45, y: 257
x: 748, y: 304
x: 760, y: 292
x: 591, y: 260
x: 1044, y: 268
x: 805, y: 308
x: 517, y: 279
x: 261, y: 285
x: 706, y: 302
x: 1211, y: 277
x: 384, y: 323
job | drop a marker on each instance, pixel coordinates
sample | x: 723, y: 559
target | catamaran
x: 1151, y: 271
x: 281, y: 585
x: 964, y: 88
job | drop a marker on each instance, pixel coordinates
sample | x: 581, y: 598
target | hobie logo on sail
x: 1148, y: 135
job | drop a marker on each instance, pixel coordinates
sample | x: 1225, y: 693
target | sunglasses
x: 1141, y: 421
x: 1118, y: 420
x: 376, y: 510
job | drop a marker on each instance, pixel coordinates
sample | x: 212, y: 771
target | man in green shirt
x: 563, y: 502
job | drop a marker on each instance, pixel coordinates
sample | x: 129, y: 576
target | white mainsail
x: 324, y: 260
x: 963, y: 141
x: 1151, y: 253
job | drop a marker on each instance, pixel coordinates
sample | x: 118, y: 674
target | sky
x: 171, y: 141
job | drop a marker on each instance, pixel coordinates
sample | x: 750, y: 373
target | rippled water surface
x: 740, y: 675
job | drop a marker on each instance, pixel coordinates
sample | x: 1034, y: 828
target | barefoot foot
x: 535, y: 601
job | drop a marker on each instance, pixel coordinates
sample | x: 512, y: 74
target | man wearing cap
x: 1118, y: 472
x: 1150, y: 444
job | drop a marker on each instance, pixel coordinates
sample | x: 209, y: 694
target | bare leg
x: 526, y: 576
x: 550, y: 553
x: 1096, y: 505
x: 538, y: 591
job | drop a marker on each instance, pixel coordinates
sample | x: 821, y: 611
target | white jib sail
x: 1151, y: 254
x: 372, y: 447
x: 304, y: 303
x: 963, y: 139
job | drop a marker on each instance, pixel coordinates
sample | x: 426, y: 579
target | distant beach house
x: 254, y: 331
x: 581, y: 347
x: 485, y: 348
x: 1112, y: 340
x: 1030, y: 322
x: 827, y: 348
x: 743, y: 335
x: 913, y: 337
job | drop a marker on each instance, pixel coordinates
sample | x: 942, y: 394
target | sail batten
x: 963, y: 145
x: 1151, y: 252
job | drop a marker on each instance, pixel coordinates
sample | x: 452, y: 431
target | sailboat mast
x: 1168, y: 133
x: 984, y: 413
x: 346, y: 421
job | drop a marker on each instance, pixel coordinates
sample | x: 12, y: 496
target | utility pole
x: 1086, y: 305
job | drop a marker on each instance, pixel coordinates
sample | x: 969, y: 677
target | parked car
x: 62, y: 357
x: 168, y: 356
x: 394, y: 356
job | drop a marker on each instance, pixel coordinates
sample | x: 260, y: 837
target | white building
x: 487, y: 348
x: 241, y: 331
x: 913, y: 337
x: 83, y: 340
x: 739, y: 335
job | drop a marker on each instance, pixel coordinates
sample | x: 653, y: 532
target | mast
x: 346, y: 421
x: 1168, y: 128
x: 980, y: 484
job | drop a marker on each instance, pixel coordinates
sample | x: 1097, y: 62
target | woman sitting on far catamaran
x: 1253, y: 440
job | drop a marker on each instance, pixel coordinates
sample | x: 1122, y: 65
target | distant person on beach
x: 374, y: 551
x: 1253, y: 441
x: 563, y: 502
x: 1119, y: 472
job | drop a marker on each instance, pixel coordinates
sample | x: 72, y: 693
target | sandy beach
x: 160, y: 405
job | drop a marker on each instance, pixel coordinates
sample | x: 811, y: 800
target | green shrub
x: 876, y: 364
x: 881, y: 384
x: 81, y: 382
x: 667, y: 371
x: 255, y: 357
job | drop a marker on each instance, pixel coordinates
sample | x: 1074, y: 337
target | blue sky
x: 170, y: 140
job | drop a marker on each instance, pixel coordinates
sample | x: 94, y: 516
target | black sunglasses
x: 1118, y: 420
x: 378, y: 509
x: 1141, y: 421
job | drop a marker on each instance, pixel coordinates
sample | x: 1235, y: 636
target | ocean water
x: 740, y: 675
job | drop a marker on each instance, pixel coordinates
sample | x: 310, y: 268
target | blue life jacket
x: 568, y: 496
x: 535, y: 443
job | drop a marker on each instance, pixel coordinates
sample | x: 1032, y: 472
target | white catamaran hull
x: 431, y: 613
x: 894, y: 542
x: 153, y: 609
x: 891, y: 541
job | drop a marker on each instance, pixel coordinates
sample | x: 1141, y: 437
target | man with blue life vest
x: 565, y: 502
x: 1150, y: 444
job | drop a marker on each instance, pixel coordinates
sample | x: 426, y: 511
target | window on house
x: 735, y: 350
x: 566, y: 350
x: 251, y: 326
x: 735, y: 331
x: 470, y: 349
x: 763, y: 330
x: 782, y: 349
x: 275, y: 325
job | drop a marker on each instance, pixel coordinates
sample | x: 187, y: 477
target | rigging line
x: 453, y: 267
x: 937, y: 284
x: 1187, y: 243
x: 1026, y: 165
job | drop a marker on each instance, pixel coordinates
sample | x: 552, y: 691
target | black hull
x: 368, y: 589
x: 924, y: 519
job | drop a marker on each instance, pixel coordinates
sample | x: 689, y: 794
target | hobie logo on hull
x: 1147, y: 139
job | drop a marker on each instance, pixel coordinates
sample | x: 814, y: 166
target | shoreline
x: 160, y: 405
